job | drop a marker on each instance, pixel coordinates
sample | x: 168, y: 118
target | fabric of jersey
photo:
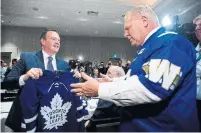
x: 49, y: 106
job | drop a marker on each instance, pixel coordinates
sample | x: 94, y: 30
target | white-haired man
x: 197, y: 22
x: 160, y: 94
x: 106, y: 110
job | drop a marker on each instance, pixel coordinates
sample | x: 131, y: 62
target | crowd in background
x: 5, y: 69
x: 94, y: 69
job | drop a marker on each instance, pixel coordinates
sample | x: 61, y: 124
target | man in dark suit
x: 31, y: 65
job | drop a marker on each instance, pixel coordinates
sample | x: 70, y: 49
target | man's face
x: 129, y: 63
x: 111, y: 73
x: 51, y: 43
x: 134, y: 30
x: 96, y: 72
x: 198, y: 29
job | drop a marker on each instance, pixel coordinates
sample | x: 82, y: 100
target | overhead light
x: 82, y: 19
x: 96, y: 32
x: 166, y: 21
x: 115, y: 56
x: 80, y: 58
x: 66, y: 30
x: 42, y: 17
x: 2, y: 21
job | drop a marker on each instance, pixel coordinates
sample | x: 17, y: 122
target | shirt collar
x: 45, y: 55
x: 151, y: 33
x: 198, y: 48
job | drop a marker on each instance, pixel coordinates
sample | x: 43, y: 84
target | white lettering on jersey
x: 57, y: 114
x: 164, y: 72
x: 141, y: 51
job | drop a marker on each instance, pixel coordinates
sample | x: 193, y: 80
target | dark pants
x: 14, y: 118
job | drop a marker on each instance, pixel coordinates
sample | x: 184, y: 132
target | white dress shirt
x: 128, y: 92
x: 198, y: 71
x: 45, y: 59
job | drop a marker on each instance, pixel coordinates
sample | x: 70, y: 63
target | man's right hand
x: 33, y: 73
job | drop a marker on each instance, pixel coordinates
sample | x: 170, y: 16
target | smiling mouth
x: 56, y: 46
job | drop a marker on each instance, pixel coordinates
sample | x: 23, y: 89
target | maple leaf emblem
x: 57, y: 114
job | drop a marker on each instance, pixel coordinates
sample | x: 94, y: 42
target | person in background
x: 120, y: 63
x: 95, y: 65
x: 13, y: 62
x: 96, y: 73
x: 3, y: 70
x: 106, y: 109
x: 160, y: 94
x: 197, y: 22
x: 108, y: 65
x: 101, y: 68
x: 127, y: 67
x: 89, y: 69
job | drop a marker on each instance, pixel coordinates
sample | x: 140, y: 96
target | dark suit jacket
x: 106, y: 112
x: 27, y: 61
x: 106, y: 109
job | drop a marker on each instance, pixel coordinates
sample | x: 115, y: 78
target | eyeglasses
x: 55, y: 39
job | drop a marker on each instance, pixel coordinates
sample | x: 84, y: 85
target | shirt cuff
x: 21, y: 81
x: 120, y: 78
x: 104, y: 89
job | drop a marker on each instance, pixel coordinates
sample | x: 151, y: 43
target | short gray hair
x: 143, y: 10
x: 197, y: 18
x: 118, y: 70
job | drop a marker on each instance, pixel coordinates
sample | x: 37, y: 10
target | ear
x: 144, y: 21
x: 42, y: 41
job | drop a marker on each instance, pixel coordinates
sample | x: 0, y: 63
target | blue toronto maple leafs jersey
x: 165, y: 65
x: 49, y: 106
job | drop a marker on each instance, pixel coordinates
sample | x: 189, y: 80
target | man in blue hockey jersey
x: 160, y: 94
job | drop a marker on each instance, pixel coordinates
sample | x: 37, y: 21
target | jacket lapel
x: 59, y: 64
x: 40, y: 60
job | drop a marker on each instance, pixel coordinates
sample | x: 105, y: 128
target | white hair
x: 118, y: 70
x: 145, y: 10
x: 197, y: 18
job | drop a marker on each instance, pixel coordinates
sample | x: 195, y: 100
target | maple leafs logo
x: 57, y: 114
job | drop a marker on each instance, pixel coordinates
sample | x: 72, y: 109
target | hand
x: 77, y: 74
x: 88, y: 88
x: 104, y: 78
x: 34, y: 73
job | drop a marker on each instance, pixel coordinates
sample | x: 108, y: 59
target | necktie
x: 49, y: 64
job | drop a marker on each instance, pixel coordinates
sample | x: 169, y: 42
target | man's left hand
x: 88, y: 88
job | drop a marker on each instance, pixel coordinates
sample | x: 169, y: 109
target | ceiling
x: 99, y: 18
